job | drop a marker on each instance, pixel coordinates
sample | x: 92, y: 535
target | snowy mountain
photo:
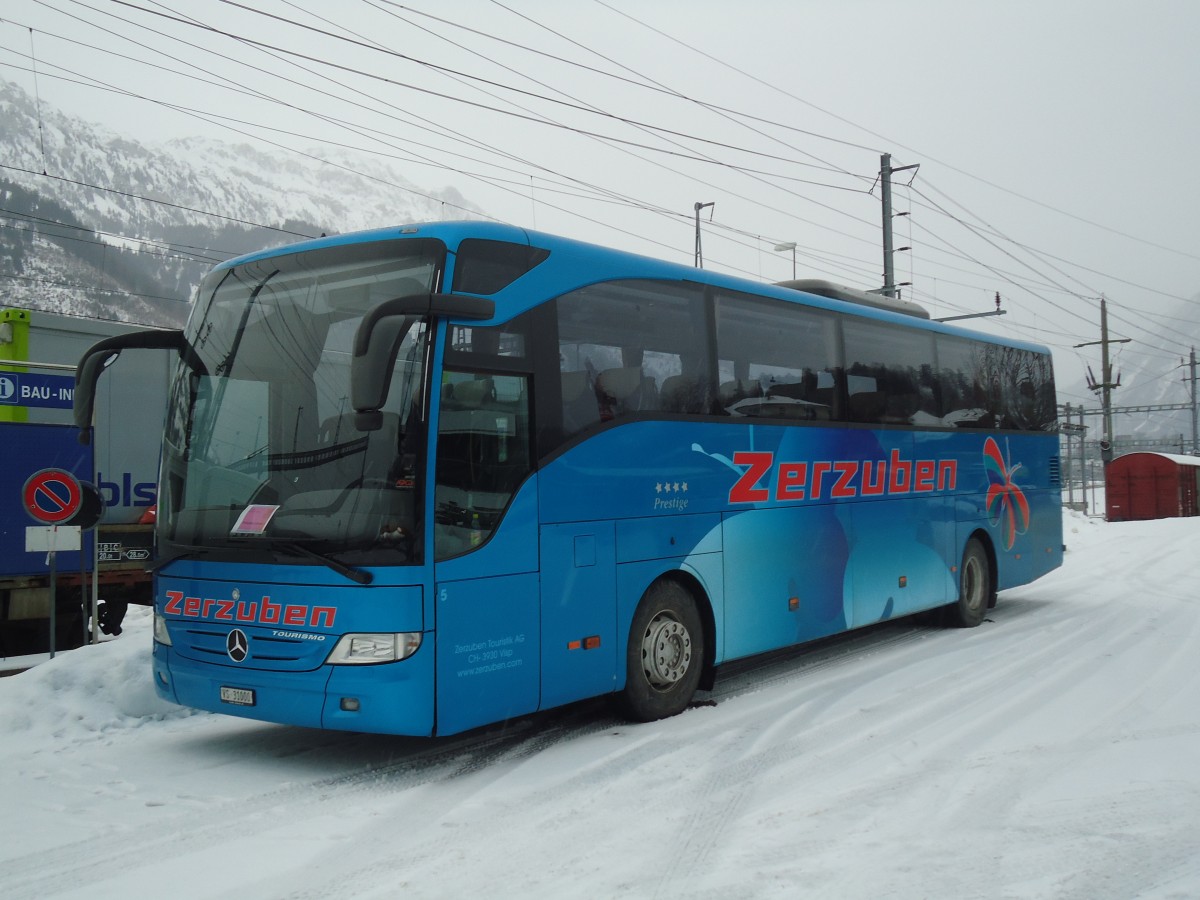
x: 93, y: 223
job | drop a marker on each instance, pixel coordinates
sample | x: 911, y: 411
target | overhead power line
x: 892, y: 142
x: 90, y: 288
x: 444, y: 96
x: 171, y: 252
x: 203, y: 212
x: 645, y: 82
x: 639, y: 204
x: 208, y: 117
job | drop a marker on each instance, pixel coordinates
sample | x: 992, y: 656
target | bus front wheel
x: 974, y: 587
x: 665, y: 655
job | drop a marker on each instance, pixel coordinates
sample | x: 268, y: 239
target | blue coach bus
x: 425, y: 478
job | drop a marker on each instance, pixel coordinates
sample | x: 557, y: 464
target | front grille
x: 267, y: 650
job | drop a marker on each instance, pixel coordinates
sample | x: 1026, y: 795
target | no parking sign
x: 52, y: 496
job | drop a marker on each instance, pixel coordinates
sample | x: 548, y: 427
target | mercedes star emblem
x: 237, y: 645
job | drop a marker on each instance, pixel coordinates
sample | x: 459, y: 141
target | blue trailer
x: 38, y: 353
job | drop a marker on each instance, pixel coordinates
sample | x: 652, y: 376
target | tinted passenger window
x: 631, y: 347
x: 776, y: 360
x: 988, y: 386
x: 1026, y: 388
x: 889, y: 374
x: 963, y: 383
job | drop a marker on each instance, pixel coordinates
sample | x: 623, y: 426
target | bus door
x: 485, y: 545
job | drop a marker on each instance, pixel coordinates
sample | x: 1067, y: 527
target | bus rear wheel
x: 665, y: 655
x: 974, y: 587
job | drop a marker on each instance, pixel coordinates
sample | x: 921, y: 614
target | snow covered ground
x: 1051, y: 752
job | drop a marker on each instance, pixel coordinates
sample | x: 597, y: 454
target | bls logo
x: 127, y: 493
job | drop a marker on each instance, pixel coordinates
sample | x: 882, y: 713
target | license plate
x: 237, y: 696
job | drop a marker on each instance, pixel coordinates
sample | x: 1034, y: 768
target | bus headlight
x: 161, y: 635
x: 363, y: 649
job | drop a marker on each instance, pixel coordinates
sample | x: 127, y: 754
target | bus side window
x: 1028, y: 403
x: 961, y: 378
x: 579, y: 408
x: 631, y: 347
x: 625, y: 390
x: 483, y: 455
x: 685, y: 393
x: 984, y: 385
x: 776, y: 360
x: 890, y: 374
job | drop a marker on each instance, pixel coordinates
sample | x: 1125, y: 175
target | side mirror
x: 102, y: 353
x: 379, y: 335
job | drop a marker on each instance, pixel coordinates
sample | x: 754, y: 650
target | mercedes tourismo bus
x: 424, y: 478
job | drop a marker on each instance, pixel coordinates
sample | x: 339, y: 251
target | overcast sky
x: 1055, y: 138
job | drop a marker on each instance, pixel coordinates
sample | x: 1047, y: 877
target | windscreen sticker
x: 254, y: 519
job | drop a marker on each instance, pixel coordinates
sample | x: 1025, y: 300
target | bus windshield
x: 262, y: 447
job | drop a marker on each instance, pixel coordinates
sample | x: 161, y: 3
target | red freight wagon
x: 1152, y: 486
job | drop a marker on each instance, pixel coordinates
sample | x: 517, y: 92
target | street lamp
x: 788, y: 245
x: 700, y: 255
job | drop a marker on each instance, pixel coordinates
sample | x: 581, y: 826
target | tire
x: 974, y: 588
x: 665, y: 655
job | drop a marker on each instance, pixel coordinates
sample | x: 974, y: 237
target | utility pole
x: 1191, y: 380
x: 699, y: 262
x: 1082, y: 462
x: 1106, y: 385
x: 885, y: 187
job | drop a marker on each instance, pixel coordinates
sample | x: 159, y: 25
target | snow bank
x: 83, y: 694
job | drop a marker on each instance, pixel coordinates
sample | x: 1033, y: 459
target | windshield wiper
x: 356, y: 575
x: 188, y: 553
x: 199, y: 551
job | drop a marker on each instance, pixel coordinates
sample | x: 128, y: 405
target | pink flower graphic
x: 1006, y: 503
